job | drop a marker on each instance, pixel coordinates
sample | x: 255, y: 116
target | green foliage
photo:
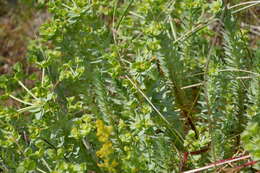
x: 129, y: 86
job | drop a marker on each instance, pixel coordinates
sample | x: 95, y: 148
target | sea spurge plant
x: 132, y: 86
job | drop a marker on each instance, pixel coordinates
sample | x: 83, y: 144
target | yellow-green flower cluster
x: 105, y: 150
x: 82, y: 127
x: 104, y: 153
x: 103, y: 132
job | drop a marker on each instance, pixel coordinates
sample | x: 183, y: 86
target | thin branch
x: 19, y: 100
x: 193, y: 85
x: 43, y: 75
x: 114, y: 32
x: 245, y: 165
x: 194, y: 30
x: 29, y: 92
x: 172, y: 28
x: 124, y: 14
x: 46, y: 164
x: 244, y: 77
x: 137, y: 15
x: 243, y: 3
x: 50, y: 144
x: 27, y: 108
x: 175, y: 132
x: 246, y: 7
x: 239, y: 70
x: 40, y: 170
x: 218, y: 163
x: 250, y: 26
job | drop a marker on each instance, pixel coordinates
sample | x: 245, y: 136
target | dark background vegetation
x: 19, y: 22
